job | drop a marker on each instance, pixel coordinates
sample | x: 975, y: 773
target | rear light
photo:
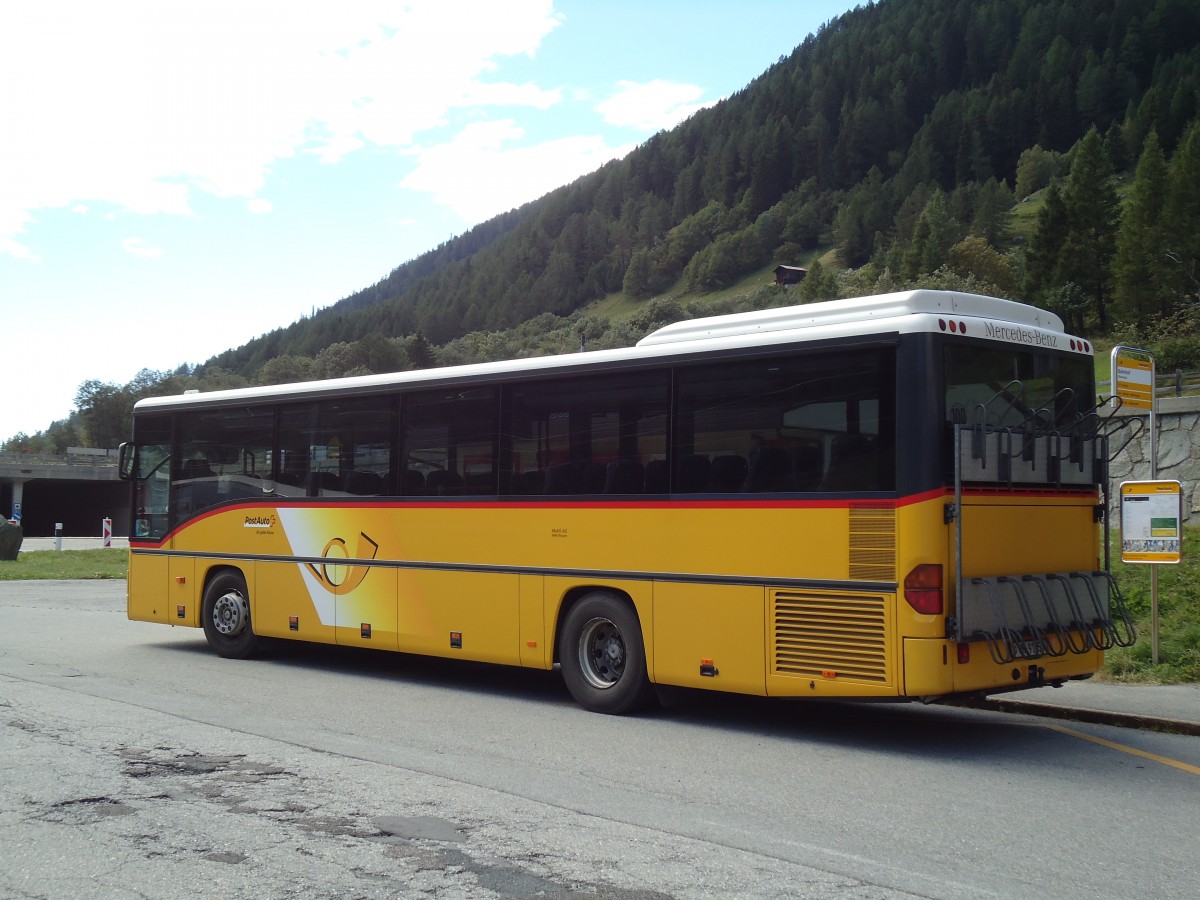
x: 923, y: 589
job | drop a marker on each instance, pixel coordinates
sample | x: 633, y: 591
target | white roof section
x: 856, y: 310
x: 904, y: 312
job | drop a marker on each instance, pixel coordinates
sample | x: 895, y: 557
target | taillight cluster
x: 923, y: 589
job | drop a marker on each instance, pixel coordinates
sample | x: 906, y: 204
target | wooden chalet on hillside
x: 789, y: 275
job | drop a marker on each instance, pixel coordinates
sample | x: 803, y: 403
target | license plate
x: 1027, y: 649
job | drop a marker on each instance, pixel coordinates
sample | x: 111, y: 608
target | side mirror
x: 127, y: 462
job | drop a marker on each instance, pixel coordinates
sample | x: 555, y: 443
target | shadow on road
x: 930, y: 732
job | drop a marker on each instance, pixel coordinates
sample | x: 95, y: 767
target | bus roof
x: 855, y: 310
x: 951, y: 312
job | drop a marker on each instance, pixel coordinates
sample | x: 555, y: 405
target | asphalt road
x: 134, y: 763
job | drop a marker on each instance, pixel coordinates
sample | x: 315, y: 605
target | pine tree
x: 1092, y: 208
x: 992, y: 217
x: 1045, y: 249
x: 935, y: 234
x: 637, y: 275
x: 1138, y: 267
x: 1181, y: 219
x: 420, y: 351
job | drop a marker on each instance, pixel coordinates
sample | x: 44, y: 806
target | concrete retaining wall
x: 1178, y: 454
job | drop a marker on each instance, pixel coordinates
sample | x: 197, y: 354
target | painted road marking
x: 1112, y: 745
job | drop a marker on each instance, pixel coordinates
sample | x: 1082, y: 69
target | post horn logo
x: 338, y: 577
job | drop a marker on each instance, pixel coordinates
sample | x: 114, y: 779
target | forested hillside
x: 1045, y: 150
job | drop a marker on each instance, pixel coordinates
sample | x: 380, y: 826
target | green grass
x: 52, y: 565
x: 1178, y: 619
x: 620, y: 306
x: 1025, y: 217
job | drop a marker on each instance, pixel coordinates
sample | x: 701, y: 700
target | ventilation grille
x: 816, y: 633
x: 872, y: 543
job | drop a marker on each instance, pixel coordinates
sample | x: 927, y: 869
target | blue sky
x: 178, y: 178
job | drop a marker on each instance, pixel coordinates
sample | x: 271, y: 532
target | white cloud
x: 135, y: 246
x: 478, y: 175
x: 653, y: 106
x: 15, y: 249
x: 259, y: 206
x: 137, y: 104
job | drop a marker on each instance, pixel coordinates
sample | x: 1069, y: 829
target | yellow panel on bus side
x: 535, y: 645
x: 710, y: 636
x: 471, y: 615
x: 288, y: 601
x: 365, y: 608
x: 147, y: 599
x: 184, y: 594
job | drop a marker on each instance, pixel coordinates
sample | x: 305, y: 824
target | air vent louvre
x: 872, y: 543
x: 816, y: 633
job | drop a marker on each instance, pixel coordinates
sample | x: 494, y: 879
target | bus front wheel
x: 226, y: 616
x: 603, y: 657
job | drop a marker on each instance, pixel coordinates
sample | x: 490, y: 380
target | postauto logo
x: 335, y: 574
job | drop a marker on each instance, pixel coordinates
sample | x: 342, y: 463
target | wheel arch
x: 218, y: 569
x: 574, y: 594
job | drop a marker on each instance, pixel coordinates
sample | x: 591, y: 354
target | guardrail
x: 1173, y: 384
x: 91, y: 458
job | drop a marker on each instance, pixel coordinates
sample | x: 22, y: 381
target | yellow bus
x: 897, y: 496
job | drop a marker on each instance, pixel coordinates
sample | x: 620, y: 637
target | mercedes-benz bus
x: 896, y: 496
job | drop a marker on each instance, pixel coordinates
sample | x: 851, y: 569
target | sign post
x: 1133, y: 383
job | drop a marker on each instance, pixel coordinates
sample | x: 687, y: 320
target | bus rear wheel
x: 226, y: 616
x: 603, y: 657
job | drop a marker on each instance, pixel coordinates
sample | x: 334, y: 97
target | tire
x: 602, y: 655
x: 226, y: 616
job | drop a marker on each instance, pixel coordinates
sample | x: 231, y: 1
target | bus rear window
x: 1003, y: 387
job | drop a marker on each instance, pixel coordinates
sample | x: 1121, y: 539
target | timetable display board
x: 1151, y: 522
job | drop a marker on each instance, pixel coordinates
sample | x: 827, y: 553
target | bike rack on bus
x: 1070, y: 612
x: 1074, y: 615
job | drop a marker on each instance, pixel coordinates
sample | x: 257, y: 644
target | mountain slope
x: 885, y: 103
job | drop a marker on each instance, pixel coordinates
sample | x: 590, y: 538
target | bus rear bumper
x: 933, y: 668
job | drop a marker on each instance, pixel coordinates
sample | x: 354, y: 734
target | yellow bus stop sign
x: 1133, y: 377
x: 1151, y: 517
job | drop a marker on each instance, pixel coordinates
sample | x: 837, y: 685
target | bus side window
x: 221, y: 455
x: 449, y: 442
x: 780, y: 425
x: 597, y: 436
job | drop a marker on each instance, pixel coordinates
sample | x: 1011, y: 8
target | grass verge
x: 1178, y: 619
x: 51, y: 565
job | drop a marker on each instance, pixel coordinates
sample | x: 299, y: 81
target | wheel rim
x: 231, y: 612
x: 601, y: 653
